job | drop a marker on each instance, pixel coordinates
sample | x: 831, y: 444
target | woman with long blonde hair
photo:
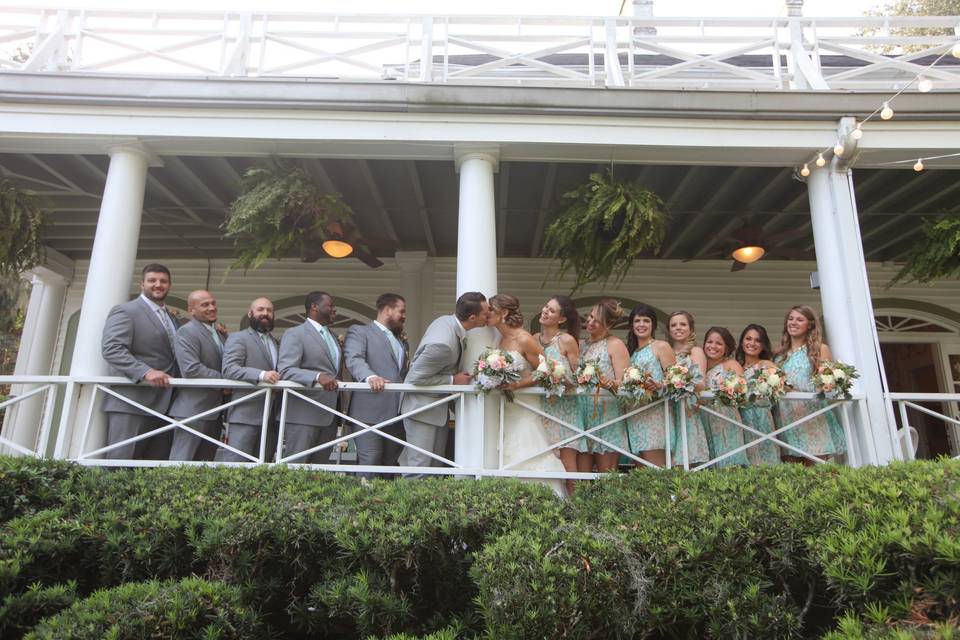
x: 801, y: 351
x: 681, y: 334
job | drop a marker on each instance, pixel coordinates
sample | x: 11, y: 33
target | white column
x: 846, y: 301
x: 410, y: 264
x: 37, y: 346
x: 109, y: 275
x: 476, y: 439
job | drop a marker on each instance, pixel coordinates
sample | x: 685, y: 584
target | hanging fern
x: 21, y: 228
x: 937, y: 255
x: 602, y: 226
x: 280, y: 211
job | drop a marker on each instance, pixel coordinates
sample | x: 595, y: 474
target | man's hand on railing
x: 270, y: 377
x: 327, y: 381
x: 156, y: 378
x: 377, y: 383
x: 461, y: 378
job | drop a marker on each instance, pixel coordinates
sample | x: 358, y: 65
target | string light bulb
x: 924, y: 85
x: 838, y: 149
x: 919, y: 166
x: 955, y: 52
x: 857, y: 133
x: 820, y: 160
x: 886, y: 113
x: 805, y: 171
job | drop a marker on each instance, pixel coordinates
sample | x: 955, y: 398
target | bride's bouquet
x: 679, y: 382
x: 729, y: 389
x: 634, y: 386
x: 765, y: 385
x: 833, y: 380
x: 552, y: 375
x: 496, y: 368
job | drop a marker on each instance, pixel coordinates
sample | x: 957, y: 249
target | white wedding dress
x: 523, y: 436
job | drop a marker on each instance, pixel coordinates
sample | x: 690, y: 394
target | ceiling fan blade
x: 785, y: 236
x: 367, y: 258
x: 738, y: 266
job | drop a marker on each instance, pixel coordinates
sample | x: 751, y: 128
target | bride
x: 523, y: 430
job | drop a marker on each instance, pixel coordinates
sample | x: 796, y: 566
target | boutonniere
x: 340, y: 338
x: 221, y: 329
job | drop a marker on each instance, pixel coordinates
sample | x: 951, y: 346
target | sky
x: 706, y: 8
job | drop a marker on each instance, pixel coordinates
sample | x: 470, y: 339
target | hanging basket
x: 936, y: 256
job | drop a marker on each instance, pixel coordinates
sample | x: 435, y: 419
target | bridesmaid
x: 754, y: 352
x: 683, y: 341
x: 612, y: 356
x: 559, y: 336
x: 647, y: 429
x: 724, y: 436
x: 801, y: 351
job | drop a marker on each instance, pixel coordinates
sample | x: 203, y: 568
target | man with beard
x: 376, y: 353
x: 251, y: 356
x: 310, y: 355
x: 138, y: 343
x: 199, y: 348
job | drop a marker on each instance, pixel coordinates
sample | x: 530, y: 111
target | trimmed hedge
x: 785, y: 551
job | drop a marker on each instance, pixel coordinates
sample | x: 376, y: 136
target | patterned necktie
x: 167, y: 324
x: 267, y: 344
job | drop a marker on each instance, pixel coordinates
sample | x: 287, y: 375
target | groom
x: 437, y: 361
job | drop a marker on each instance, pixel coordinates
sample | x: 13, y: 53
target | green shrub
x: 191, y: 608
x: 18, y: 613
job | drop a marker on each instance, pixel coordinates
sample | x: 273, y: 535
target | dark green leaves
x: 937, y: 255
x: 21, y: 228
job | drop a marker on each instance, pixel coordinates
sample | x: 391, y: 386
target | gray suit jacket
x: 244, y: 358
x: 134, y: 342
x: 367, y: 352
x: 303, y: 355
x: 437, y: 358
x: 197, y: 357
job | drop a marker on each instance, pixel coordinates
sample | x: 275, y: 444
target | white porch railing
x: 77, y: 424
x: 630, y: 52
x: 907, y: 444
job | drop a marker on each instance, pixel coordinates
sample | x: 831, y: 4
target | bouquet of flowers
x: 766, y: 385
x: 552, y: 375
x: 634, y: 386
x: 833, y: 379
x: 494, y: 369
x: 587, y: 377
x: 679, y: 382
x: 729, y: 388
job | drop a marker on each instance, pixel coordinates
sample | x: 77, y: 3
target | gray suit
x: 245, y: 357
x: 437, y: 359
x: 303, y: 354
x: 134, y: 341
x: 198, y: 356
x: 367, y: 351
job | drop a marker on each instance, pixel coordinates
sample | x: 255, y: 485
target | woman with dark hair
x: 724, y: 436
x: 612, y: 358
x: 646, y: 430
x: 801, y: 351
x: 754, y: 354
x: 559, y: 334
x: 681, y: 331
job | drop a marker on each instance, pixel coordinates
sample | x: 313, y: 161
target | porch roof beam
x: 422, y: 210
x: 374, y: 191
x: 545, y: 196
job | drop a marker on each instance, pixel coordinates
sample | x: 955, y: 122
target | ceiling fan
x: 344, y: 240
x: 750, y: 243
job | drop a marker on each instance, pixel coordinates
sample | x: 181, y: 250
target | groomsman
x: 310, y: 355
x: 251, y: 356
x: 437, y: 361
x: 376, y: 354
x: 199, y: 349
x: 138, y: 343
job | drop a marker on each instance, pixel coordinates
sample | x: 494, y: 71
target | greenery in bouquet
x: 680, y: 381
x: 729, y: 389
x: 552, y: 375
x: 635, y: 386
x: 765, y: 385
x: 833, y: 379
x: 587, y: 377
x: 496, y: 369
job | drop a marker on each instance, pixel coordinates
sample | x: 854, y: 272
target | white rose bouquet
x: 729, y: 389
x: 679, y: 382
x: 833, y: 380
x: 765, y: 385
x: 495, y: 369
x: 634, y: 387
x: 552, y: 375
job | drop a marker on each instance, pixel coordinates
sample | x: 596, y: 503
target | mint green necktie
x: 332, y: 348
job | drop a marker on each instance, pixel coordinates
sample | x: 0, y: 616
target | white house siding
x: 762, y: 293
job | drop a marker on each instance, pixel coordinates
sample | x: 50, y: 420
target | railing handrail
x: 923, y: 397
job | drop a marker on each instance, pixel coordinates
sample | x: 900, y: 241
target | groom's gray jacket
x: 435, y: 361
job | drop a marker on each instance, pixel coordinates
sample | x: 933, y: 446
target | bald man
x: 251, y: 356
x: 199, y: 348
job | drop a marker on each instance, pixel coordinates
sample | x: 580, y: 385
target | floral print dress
x: 646, y: 430
x: 565, y: 408
x: 761, y: 419
x: 697, y: 447
x: 723, y: 436
x: 595, y: 410
x: 820, y: 436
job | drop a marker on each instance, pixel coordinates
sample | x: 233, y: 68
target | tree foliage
x: 22, y: 223
x: 280, y: 211
x: 937, y: 255
x: 602, y: 226
x: 914, y: 8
